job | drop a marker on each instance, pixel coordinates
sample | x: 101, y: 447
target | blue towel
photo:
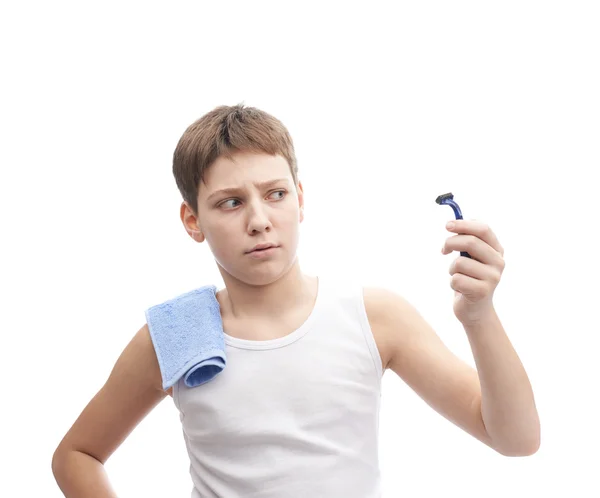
x: 187, y: 333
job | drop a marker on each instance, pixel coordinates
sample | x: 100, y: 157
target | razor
x: 448, y: 199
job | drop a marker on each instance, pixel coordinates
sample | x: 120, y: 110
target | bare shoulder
x: 388, y: 313
x: 415, y: 352
x: 132, y: 390
x: 400, y: 328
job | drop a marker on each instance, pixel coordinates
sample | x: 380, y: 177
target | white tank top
x: 296, y: 416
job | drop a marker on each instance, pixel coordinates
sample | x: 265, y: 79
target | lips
x: 261, y: 247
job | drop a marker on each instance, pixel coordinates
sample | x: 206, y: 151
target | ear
x: 300, y: 189
x: 190, y: 222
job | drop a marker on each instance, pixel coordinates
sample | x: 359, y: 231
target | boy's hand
x: 474, y: 280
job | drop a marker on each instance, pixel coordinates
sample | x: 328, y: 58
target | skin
x: 256, y: 289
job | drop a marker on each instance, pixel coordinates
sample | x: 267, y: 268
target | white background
x: 390, y: 104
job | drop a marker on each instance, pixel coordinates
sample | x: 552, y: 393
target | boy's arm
x: 412, y: 349
x: 132, y: 390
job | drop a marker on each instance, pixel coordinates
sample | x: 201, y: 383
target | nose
x: 258, y: 220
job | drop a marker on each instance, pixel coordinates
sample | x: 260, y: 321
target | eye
x: 224, y: 203
x: 282, y: 192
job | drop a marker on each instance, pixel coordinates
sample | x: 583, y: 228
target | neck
x: 242, y: 300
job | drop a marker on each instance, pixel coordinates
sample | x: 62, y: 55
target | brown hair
x: 222, y: 132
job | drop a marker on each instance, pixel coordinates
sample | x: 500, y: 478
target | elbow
x: 518, y: 443
x: 57, y: 463
x: 519, y: 452
x: 523, y: 448
x: 60, y: 460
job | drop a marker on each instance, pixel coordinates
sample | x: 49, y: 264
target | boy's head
x: 237, y: 173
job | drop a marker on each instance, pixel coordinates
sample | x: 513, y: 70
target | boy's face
x: 260, y: 206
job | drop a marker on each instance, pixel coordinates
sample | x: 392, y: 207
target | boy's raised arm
x: 132, y: 390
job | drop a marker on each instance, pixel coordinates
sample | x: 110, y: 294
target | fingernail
x: 450, y: 225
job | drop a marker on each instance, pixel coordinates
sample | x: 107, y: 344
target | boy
x: 295, y: 412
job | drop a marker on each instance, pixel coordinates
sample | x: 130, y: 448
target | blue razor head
x: 443, y: 199
x: 448, y: 199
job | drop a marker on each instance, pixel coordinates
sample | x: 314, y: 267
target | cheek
x: 290, y: 221
x: 292, y: 226
x: 292, y: 213
x: 219, y: 237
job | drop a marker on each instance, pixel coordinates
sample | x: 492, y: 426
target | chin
x: 259, y: 275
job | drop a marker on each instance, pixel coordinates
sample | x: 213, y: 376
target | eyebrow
x: 234, y: 190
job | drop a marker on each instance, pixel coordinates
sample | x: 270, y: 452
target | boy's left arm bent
x: 494, y: 403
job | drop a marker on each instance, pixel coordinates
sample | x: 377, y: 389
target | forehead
x: 244, y: 168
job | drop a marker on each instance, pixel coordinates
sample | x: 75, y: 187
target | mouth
x: 261, y: 248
